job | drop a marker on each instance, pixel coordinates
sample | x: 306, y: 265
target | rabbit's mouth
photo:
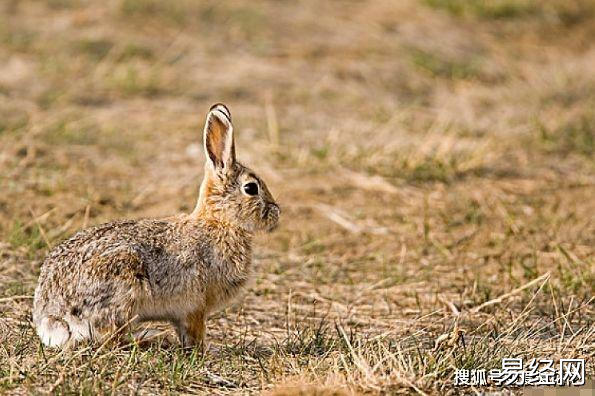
x: 270, y: 215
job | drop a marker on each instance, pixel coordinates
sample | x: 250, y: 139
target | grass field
x: 434, y: 159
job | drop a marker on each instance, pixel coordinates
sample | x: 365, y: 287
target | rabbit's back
x: 146, y: 251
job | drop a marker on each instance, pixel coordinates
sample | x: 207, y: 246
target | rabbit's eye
x: 251, y: 188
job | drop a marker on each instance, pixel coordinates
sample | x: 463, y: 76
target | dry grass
x: 431, y: 156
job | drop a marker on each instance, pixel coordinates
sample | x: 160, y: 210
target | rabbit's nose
x: 275, y: 207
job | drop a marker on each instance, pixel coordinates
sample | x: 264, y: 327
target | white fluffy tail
x: 53, y: 332
x: 57, y: 332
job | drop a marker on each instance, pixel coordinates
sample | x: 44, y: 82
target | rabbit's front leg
x: 191, y: 331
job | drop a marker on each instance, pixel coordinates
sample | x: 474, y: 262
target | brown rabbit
x: 177, y: 269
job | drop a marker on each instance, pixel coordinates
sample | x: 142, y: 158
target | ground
x: 434, y: 161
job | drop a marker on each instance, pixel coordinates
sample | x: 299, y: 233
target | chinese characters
x: 537, y: 372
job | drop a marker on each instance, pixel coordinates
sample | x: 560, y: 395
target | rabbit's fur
x: 177, y: 269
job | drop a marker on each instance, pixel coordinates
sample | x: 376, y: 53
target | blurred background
x: 423, y: 151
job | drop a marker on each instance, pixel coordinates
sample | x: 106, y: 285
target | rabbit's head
x: 230, y: 191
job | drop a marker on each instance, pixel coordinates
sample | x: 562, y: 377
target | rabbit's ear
x: 218, y: 138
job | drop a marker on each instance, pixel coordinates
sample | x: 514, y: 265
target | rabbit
x: 177, y: 269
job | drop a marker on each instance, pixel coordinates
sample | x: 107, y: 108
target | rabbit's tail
x: 57, y: 332
x: 54, y: 332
